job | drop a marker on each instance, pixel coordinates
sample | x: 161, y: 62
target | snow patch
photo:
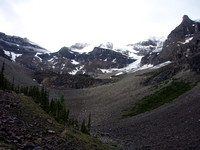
x: 50, y: 60
x: 118, y: 74
x: 133, y: 65
x: 151, y: 66
x: 76, y: 70
x: 12, y: 55
x: 187, y: 40
x: 74, y: 62
x: 161, y: 65
x: 105, y: 59
x: 106, y: 70
x: 36, y: 55
x: 63, y: 66
x: 114, y: 60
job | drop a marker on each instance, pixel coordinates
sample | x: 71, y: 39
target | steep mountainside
x: 182, y: 46
x: 24, y: 125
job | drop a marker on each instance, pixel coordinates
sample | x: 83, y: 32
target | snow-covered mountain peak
x: 79, y: 46
x: 107, y: 45
x: 153, y: 44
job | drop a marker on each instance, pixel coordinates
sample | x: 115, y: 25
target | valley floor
x: 175, y: 125
x: 172, y: 126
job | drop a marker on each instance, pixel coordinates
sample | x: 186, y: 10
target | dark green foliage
x: 89, y: 122
x: 73, y: 123
x: 164, y: 95
x: 62, y: 98
x: 4, y: 83
x: 44, y: 99
x: 2, y: 74
x: 84, y: 128
x: 52, y: 108
x: 57, y: 109
x: 35, y: 93
x: 84, y: 75
x: 13, y: 85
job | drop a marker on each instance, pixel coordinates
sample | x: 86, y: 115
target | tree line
x: 54, y: 107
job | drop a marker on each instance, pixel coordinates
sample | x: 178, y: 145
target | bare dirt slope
x: 171, y: 126
x: 104, y: 102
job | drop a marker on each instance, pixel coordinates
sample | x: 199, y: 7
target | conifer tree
x: 13, y: 84
x: 52, y: 107
x: 83, y: 127
x: 89, y: 123
x: 62, y: 98
x: 2, y: 80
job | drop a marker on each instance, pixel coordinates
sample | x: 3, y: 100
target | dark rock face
x: 66, y: 81
x: 182, y: 46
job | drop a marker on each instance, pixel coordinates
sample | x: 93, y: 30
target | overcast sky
x: 57, y: 23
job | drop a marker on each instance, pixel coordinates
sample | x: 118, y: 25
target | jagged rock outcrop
x: 182, y: 46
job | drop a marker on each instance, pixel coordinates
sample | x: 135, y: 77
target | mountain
x: 153, y: 106
x: 182, y: 46
x: 80, y: 58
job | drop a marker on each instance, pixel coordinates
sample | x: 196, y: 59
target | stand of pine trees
x: 55, y: 107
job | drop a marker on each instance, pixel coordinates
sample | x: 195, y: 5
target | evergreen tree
x: 44, y: 99
x: 2, y: 80
x: 84, y: 128
x: 67, y: 115
x: 64, y: 114
x: 76, y: 126
x: 52, y: 108
x: 89, y: 123
x: 58, y: 109
x: 4, y: 83
x: 13, y: 85
x: 62, y: 98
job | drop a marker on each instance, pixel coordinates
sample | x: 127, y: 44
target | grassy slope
x: 164, y: 95
x: 32, y: 115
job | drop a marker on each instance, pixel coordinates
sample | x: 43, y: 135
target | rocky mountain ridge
x: 182, y: 46
x: 79, y: 58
